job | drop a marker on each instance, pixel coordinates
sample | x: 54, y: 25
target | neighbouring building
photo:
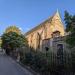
x: 47, y: 35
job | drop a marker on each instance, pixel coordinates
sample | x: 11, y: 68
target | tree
x: 12, y: 40
x: 68, y: 21
x: 70, y: 27
x: 13, y: 29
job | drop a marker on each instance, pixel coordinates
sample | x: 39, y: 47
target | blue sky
x: 27, y: 14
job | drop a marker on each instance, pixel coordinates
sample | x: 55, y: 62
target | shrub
x: 47, y: 65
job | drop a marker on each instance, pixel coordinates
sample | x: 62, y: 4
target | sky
x: 27, y: 14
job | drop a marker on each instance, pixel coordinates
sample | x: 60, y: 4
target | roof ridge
x: 41, y: 24
x: 36, y: 27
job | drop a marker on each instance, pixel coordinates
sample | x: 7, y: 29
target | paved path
x: 10, y: 67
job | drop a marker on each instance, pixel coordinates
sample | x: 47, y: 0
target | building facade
x: 42, y: 36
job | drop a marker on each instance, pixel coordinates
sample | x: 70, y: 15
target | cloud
x: 20, y: 28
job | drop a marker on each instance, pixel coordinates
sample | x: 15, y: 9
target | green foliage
x: 73, y: 59
x: 68, y: 21
x: 13, y: 29
x: 71, y: 40
x: 70, y: 27
x: 48, y: 65
x: 13, y: 40
x: 39, y: 62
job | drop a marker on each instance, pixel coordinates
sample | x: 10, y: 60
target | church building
x: 41, y: 37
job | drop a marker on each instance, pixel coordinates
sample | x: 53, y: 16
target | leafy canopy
x: 13, y: 40
x: 70, y: 27
x: 13, y: 29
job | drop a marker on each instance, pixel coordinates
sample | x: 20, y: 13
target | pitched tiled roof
x: 38, y: 26
x: 42, y: 24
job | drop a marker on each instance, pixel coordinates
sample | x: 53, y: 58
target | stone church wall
x: 36, y: 37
